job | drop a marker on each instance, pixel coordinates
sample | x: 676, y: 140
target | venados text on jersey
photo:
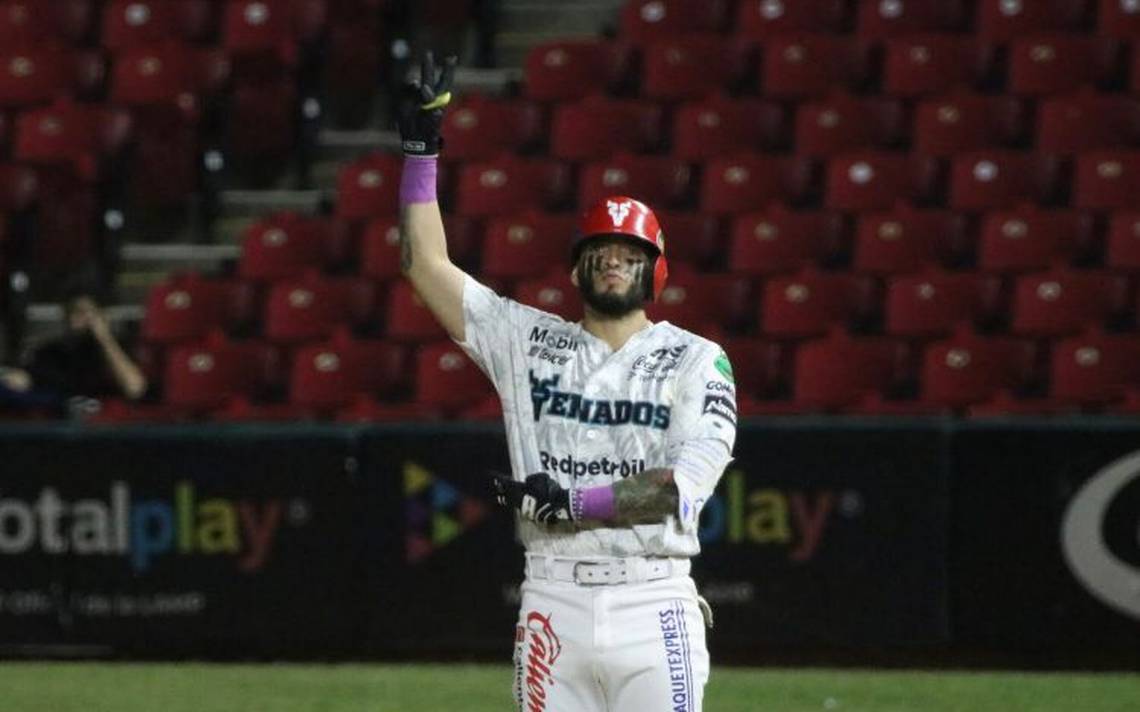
x: 567, y: 465
x: 595, y: 412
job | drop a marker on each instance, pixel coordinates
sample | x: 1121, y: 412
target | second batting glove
x: 538, y: 499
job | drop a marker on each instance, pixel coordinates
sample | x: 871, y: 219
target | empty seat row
x: 921, y: 305
x: 479, y: 128
x: 859, y: 181
x: 769, y: 241
x: 801, y: 66
x: 836, y: 372
x: 644, y: 20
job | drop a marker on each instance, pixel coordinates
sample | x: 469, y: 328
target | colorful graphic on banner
x: 435, y: 512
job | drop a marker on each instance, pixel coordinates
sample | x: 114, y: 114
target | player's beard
x: 608, y: 304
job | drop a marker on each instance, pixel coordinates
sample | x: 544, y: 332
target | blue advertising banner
x: 191, y: 542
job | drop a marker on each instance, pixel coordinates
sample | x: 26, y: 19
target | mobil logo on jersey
x: 183, y: 523
x: 1100, y: 535
x: 552, y: 402
x: 796, y: 521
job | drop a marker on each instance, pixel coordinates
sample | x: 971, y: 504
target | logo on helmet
x: 618, y: 211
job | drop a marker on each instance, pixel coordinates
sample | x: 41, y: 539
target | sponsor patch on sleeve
x: 720, y: 406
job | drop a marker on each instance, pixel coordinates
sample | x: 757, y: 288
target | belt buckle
x: 576, y: 575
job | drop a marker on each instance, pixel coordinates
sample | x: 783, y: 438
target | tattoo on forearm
x: 646, y: 497
x: 405, y: 245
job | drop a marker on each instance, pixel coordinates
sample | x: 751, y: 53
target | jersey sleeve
x: 489, y: 323
x: 701, y: 447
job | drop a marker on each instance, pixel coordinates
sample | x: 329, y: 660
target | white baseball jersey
x: 589, y: 416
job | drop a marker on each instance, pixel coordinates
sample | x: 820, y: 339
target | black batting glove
x: 420, y: 107
x: 538, y: 499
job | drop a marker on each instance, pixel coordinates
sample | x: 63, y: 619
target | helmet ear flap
x: 660, y: 275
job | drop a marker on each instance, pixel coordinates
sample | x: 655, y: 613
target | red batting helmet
x: 622, y: 215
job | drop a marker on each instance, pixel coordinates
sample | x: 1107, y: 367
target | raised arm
x: 423, y: 245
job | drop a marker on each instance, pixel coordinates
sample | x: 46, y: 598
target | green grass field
x: 59, y: 687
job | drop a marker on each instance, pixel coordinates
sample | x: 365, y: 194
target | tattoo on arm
x: 405, y: 245
x: 646, y: 498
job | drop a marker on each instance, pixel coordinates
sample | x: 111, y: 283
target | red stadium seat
x: 902, y: 238
x: 37, y: 74
x: 80, y: 136
x: 689, y: 66
x: 379, y: 244
x: 966, y: 368
x: 931, y: 64
x: 329, y: 375
x: 810, y: 302
x: 689, y: 300
x: 778, y: 240
x: 742, y: 182
x: 882, y: 19
x: 30, y: 22
x: 203, y: 376
x: 369, y: 187
x: 510, y: 184
x: 763, y: 367
x: 692, y: 238
x: 307, y: 308
x: 1094, y: 368
x: 906, y: 240
x: 553, y: 292
x: 188, y: 307
x: 135, y: 23
x: 811, y: 65
x: 962, y: 121
x: 380, y: 249
x: 257, y: 25
x: 659, y: 181
x: 647, y: 20
x: 407, y: 318
x: 261, y: 122
x: 1059, y: 302
x: 842, y: 123
x: 528, y: 244
x: 1118, y: 18
x: 598, y: 126
x: 1122, y: 243
x: 1087, y: 122
x: 719, y: 126
x: 1054, y: 64
x: 1106, y: 180
x: 997, y: 178
x: 170, y: 73
x: 478, y: 128
x: 876, y: 180
x: 934, y: 302
x: 281, y: 245
x: 1005, y: 20
x: 574, y: 69
x: 1028, y: 238
x: 838, y: 371
x: 773, y: 18
x: 353, y: 60
x: 19, y: 187
x: 447, y: 379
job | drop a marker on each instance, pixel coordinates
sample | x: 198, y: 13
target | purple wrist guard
x: 417, y: 181
x: 593, y: 503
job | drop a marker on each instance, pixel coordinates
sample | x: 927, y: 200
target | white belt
x: 603, y: 571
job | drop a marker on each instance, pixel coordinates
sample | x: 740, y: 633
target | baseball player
x: 618, y: 431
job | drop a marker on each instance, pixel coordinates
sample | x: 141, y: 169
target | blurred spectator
x: 70, y: 373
